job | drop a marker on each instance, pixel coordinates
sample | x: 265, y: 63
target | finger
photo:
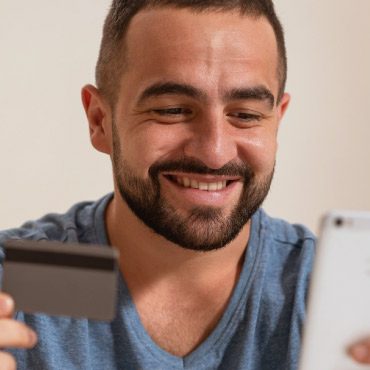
x: 361, y: 351
x: 16, y: 334
x: 6, y: 305
x: 7, y: 361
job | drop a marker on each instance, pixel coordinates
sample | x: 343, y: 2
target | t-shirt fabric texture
x: 260, y: 329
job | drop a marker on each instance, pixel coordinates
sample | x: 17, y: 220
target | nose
x: 212, y: 141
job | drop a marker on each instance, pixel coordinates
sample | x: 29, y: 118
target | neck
x: 147, y: 258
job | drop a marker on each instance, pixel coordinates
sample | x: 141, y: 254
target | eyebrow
x: 253, y: 93
x: 165, y: 88
x: 249, y: 93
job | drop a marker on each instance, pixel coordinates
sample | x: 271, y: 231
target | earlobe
x: 99, y: 116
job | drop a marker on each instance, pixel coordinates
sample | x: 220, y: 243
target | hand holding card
x: 61, y: 279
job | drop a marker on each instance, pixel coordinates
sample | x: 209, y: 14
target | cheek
x: 259, y: 151
x: 152, y: 143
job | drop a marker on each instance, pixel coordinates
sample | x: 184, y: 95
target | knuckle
x: 7, y: 361
x: 14, y: 334
x: 24, y: 335
x: 6, y: 304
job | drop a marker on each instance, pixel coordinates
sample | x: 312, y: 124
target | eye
x: 173, y: 111
x: 246, y: 117
x: 174, y: 114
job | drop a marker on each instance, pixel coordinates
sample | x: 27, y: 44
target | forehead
x: 210, y: 48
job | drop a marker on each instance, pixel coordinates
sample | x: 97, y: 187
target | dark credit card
x: 56, y: 278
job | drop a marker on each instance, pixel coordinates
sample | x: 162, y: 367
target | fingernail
x: 33, y: 337
x: 360, y: 352
x: 6, y: 304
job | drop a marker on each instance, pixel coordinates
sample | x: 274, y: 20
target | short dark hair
x: 111, y: 57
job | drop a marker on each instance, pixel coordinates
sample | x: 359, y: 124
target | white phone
x: 339, y: 297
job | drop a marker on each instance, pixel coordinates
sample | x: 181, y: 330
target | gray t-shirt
x: 259, y: 330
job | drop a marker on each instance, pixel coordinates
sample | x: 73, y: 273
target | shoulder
x: 288, y: 247
x: 285, y: 233
x: 70, y: 226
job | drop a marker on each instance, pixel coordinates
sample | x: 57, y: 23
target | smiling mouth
x: 188, y: 182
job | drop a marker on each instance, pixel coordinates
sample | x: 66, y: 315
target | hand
x: 360, y: 351
x: 13, y: 334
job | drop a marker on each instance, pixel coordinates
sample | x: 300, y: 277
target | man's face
x: 195, y: 124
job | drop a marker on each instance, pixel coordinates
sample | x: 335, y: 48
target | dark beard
x: 205, y: 228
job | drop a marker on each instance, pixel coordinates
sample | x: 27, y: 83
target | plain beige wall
x: 49, y: 49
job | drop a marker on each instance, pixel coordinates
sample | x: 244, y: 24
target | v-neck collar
x: 224, y: 329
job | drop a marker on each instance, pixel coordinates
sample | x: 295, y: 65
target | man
x: 188, y: 102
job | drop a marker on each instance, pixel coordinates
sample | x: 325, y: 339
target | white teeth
x: 186, y: 182
x: 203, y: 186
x: 212, y: 186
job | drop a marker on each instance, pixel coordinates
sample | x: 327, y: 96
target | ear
x: 99, y: 115
x: 283, y: 106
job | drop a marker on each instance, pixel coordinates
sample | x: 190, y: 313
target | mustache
x: 195, y: 166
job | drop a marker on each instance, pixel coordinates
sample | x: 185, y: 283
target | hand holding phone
x: 339, y: 301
